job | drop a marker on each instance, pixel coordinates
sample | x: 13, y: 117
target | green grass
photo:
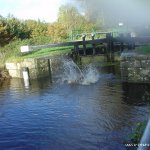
x: 41, y: 53
x: 48, y: 52
x: 143, y: 49
x: 11, y: 52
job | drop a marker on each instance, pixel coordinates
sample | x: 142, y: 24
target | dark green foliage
x: 138, y: 132
x: 17, y: 29
x: 37, y: 28
x: 12, y: 29
x: 143, y: 49
x: 135, y: 137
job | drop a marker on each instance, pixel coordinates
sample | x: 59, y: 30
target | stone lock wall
x: 38, y: 68
x: 135, y: 67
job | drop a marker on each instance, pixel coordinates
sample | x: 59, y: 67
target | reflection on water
x: 57, y: 116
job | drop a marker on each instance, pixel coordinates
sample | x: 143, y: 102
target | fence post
x: 109, y: 50
x: 84, y: 46
x: 50, y: 69
x: 112, y: 48
x: 121, y: 37
x: 76, y: 48
x: 129, y: 41
x: 93, y: 45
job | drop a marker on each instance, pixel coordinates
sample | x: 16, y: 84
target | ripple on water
x: 55, y: 116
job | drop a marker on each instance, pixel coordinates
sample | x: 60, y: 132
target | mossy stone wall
x: 135, y: 67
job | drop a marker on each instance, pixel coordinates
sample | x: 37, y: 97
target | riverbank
x: 16, y: 59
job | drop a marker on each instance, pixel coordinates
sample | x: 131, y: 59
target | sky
x: 45, y: 10
x: 130, y: 12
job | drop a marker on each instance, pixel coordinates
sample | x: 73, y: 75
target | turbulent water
x: 73, y: 74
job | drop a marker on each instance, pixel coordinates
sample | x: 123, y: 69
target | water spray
x: 73, y: 74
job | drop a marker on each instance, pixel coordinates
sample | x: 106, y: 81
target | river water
x: 62, y: 116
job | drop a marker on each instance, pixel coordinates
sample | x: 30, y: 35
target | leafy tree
x: 11, y: 29
x: 57, y: 32
x: 3, y: 31
x: 71, y: 19
x: 17, y: 29
x: 68, y: 16
x: 37, y: 28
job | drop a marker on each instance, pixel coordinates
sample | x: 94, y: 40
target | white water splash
x: 91, y: 75
x: 73, y: 74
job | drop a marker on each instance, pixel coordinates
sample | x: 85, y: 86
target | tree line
x: 69, y: 19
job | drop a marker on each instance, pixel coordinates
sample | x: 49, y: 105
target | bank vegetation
x: 15, y: 33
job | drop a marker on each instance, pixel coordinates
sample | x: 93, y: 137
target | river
x: 62, y: 116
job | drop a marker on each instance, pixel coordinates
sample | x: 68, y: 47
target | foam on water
x: 73, y: 74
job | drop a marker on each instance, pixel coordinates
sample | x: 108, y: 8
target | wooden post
x: 76, y: 48
x: 50, y: 69
x: 112, y: 49
x: 133, y: 35
x: 84, y: 46
x: 109, y: 44
x: 121, y: 42
x: 129, y: 42
x: 93, y: 45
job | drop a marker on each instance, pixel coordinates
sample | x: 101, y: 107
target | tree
x: 69, y: 16
x: 11, y: 29
x: 71, y: 19
x: 3, y: 31
x: 37, y: 28
x: 57, y: 32
x: 17, y: 29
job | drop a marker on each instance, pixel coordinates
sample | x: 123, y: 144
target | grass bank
x: 15, y: 55
x: 41, y: 53
x: 11, y: 51
x: 143, y: 49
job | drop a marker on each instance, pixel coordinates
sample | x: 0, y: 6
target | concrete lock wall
x: 38, y: 67
x: 135, y: 67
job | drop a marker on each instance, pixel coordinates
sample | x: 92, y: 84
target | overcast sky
x: 45, y: 10
x: 130, y: 12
